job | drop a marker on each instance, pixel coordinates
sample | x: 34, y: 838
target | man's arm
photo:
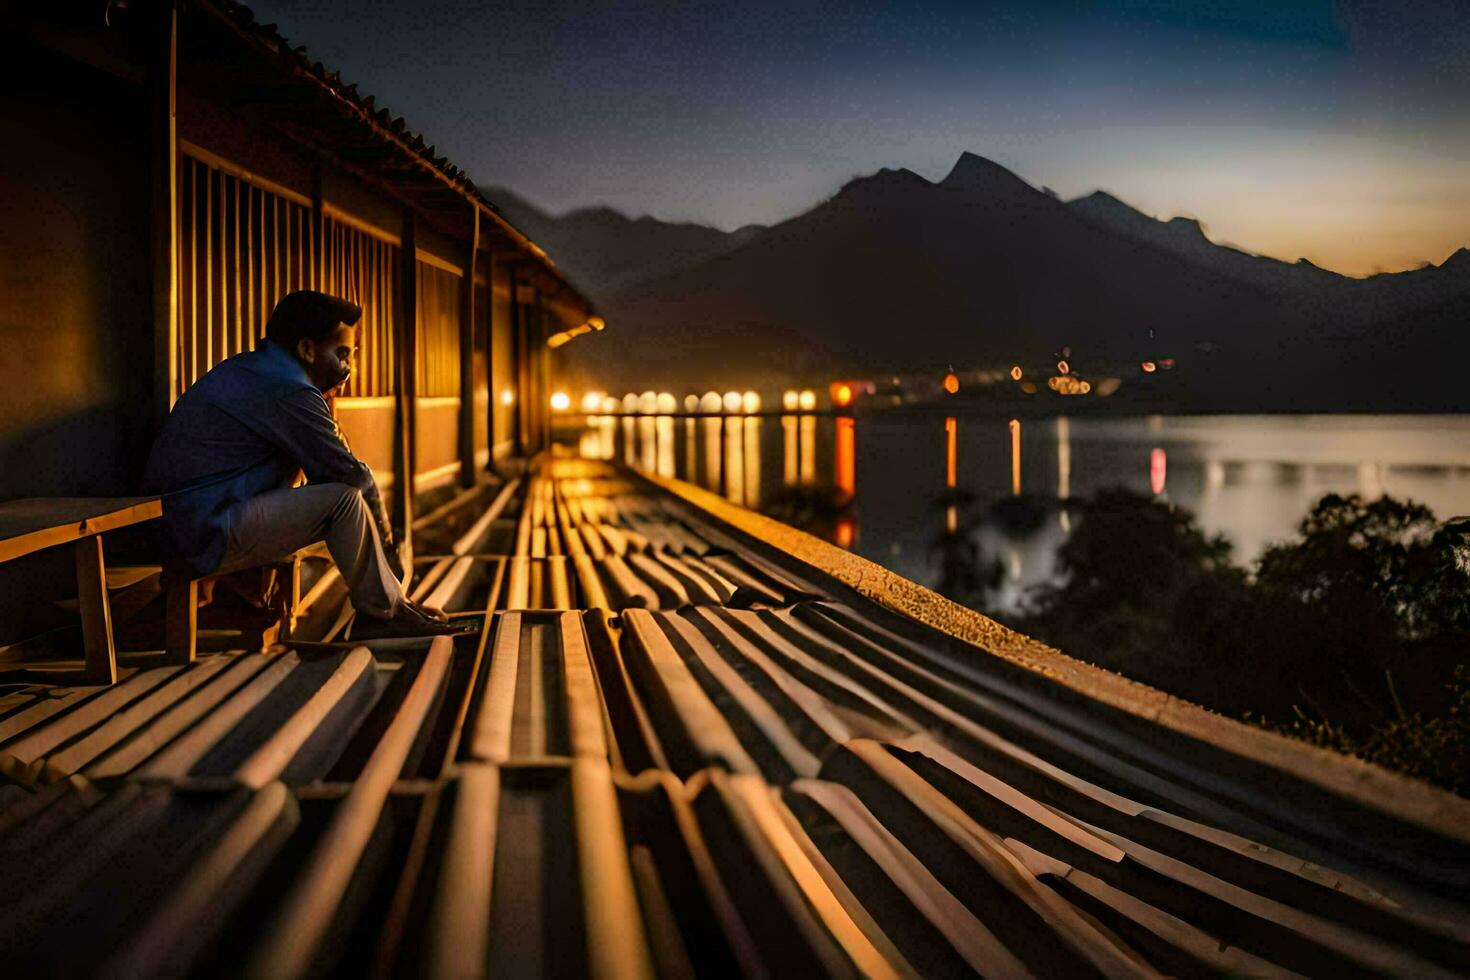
x: 306, y: 430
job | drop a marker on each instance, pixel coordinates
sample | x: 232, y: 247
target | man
x: 234, y: 443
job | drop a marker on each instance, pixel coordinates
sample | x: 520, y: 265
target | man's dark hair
x: 308, y: 314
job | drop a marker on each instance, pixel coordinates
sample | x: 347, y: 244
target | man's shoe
x: 408, y: 622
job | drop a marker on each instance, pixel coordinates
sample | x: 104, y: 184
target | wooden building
x: 173, y: 169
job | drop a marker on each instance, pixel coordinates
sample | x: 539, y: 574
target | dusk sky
x: 1335, y: 131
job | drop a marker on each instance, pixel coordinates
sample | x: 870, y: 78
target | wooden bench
x: 181, y: 605
x: 28, y: 526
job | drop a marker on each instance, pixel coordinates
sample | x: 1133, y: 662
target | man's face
x: 328, y: 362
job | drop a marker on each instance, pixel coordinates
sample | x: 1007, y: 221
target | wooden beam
x: 491, y: 261
x: 467, y: 473
x: 517, y: 363
x: 163, y: 110
x: 406, y: 388
x: 96, y: 614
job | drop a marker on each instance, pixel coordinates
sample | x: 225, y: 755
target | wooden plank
x: 662, y: 674
x: 79, y: 753
x: 271, y: 758
x: 458, y: 926
x: 101, y: 654
x: 586, y: 720
x: 34, y: 523
x: 18, y: 759
x: 175, y: 929
x: 303, y: 919
x: 616, y: 942
x: 971, y: 939
x: 181, y: 756
x: 490, y: 738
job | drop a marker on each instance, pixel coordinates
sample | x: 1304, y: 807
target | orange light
x: 1158, y: 470
x: 1016, y: 373
x: 845, y: 457
x: 1015, y: 457
x: 1028, y: 388
x: 1063, y: 367
x: 951, y: 382
x: 1149, y: 367
x: 841, y: 393
x: 951, y: 432
x: 846, y: 532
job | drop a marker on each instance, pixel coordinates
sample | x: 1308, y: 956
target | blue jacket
x: 244, y: 428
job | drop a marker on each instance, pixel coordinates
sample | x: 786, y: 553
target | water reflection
x: 878, y: 491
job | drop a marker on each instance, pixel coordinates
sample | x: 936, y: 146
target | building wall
x: 76, y: 358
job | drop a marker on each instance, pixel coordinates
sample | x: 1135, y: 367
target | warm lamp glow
x: 710, y: 402
x: 808, y: 400
x: 951, y: 382
x: 1016, y: 373
x: 841, y: 394
x: 790, y: 400
x: 507, y: 397
x: 750, y: 402
x: 732, y: 401
x: 1063, y: 367
x: 560, y: 401
x: 667, y: 403
x: 1149, y: 367
x: 691, y: 403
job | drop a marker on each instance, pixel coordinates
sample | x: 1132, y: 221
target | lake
x: 1250, y: 478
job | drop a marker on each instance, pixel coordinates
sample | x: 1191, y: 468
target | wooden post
x: 467, y: 359
x: 517, y: 363
x: 96, y: 615
x: 406, y: 376
x: 490, y: 402
x: 318, y: 247
x: 163, y: 109
x: 543, y: 375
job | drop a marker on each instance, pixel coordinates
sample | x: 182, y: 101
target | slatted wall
x: 362, y: 267
x: 241, y: 248
x: 438, y: 336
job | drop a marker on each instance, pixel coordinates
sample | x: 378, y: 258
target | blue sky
x: 1335, y: 131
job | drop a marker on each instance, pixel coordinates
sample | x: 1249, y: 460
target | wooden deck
x: 677, y: 748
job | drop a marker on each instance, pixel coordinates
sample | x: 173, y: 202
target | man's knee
x: 346, y: 499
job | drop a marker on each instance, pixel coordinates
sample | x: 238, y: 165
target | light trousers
x: 268, y: 527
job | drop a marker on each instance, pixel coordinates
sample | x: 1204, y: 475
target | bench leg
x: 181, y: 621
x: 101, y: 665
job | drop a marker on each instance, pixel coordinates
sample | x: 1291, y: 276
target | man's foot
x: 410, y: 620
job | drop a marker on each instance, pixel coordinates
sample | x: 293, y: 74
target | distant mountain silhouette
x: 895, y: 274
x: 604, y: 251
x: 1375, y: 298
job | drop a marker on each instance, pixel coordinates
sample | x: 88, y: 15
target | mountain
x: 603, y: 250
x: 1375, y: 298
x: 896, y: 274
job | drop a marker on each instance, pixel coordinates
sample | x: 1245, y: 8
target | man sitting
x: 234, y: 444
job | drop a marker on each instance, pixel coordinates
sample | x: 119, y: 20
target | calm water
x: 1251, y: 478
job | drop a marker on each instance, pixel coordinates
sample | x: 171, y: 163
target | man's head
x: 319, y: 331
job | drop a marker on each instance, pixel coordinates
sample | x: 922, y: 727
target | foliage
x: 1351, y: 630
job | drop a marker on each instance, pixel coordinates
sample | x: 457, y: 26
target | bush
x: 1351, y: 630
